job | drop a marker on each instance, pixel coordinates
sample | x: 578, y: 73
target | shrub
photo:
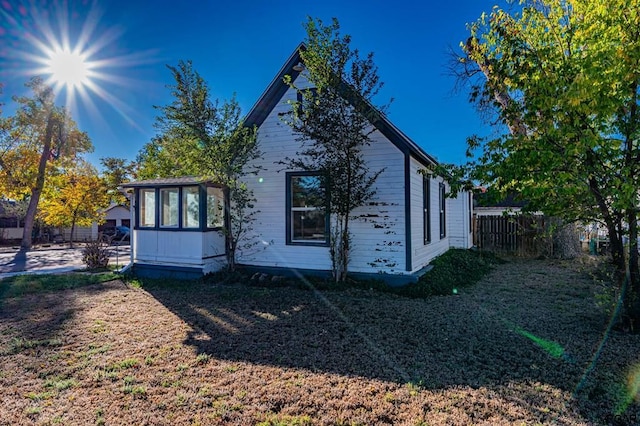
x: 95, y: 255
x: 452, y: 270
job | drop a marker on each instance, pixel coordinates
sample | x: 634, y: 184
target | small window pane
x: 191, y: 207
x: 215, y: 207
x: 306, y: 191
x: 309, y: 225
x: 169, y: 207
x: 147, y: 207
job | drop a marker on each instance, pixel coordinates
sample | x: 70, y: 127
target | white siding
x: 423, y: 253
x: 11, y: 233
x: 276, y: 142
x: 379, y: 238
x: 459, y: 221
x: 379, y: 235
x: 175, y: 248
x: 80, y: 233
x: 118, y: 213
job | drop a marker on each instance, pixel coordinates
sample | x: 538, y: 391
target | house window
x: 147, y: 208
x: 300, y: 97
x: 191, y: 207
x: 169, y: 206
x: 215, y: 207
x: 307, y: 221
x: 443, y: 212
x: 426, y: 205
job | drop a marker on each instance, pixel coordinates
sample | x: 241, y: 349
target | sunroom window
x: 215, y: 207
x: 169, y: 205
x: 147, y: 208
x: 191, y: 207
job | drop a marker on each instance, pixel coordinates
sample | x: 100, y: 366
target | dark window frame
x: 288, y: 214
x: 156, y: 201
x: 159, y: 203
x: 300, y: 98
x: 426, y: 206
x: 443, y: 211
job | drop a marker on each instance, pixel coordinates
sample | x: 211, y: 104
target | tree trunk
x: 616, y: 248
x: 344, y: 255
x: 632, y: 296
x: 73, y: 228
x: 30, y: 217
x: 231, y: 255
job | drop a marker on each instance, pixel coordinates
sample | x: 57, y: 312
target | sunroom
x: 178, y: 227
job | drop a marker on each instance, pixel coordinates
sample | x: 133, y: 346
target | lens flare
x: 631, y: 391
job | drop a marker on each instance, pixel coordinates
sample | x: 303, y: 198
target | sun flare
x: 75, y: 53
x: 69, y: 68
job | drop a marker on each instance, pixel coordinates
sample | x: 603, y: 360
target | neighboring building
x: 511, y: 204
x: 11, y: 227
x: 408, y: 223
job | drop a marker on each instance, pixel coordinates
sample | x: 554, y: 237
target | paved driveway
x: 50, y: 260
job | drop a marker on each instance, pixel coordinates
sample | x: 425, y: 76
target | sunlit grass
x: 21, y: 285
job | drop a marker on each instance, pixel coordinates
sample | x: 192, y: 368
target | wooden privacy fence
x: 521, y: 235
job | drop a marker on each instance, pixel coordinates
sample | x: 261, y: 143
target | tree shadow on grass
x: 437, y: 343
x: 33, y: 315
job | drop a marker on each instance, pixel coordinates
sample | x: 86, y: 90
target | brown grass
x: 518, y: 348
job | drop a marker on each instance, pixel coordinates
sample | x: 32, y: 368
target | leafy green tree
x: 334, y: 121
x: 74, y: 196
x: 205, y: 138
x: 38, y: 134
x: 563, y: 77
x: 117, y: 171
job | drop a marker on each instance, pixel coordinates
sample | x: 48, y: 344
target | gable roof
x: 277, y: 88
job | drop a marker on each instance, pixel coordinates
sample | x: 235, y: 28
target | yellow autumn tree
x: 74, y: 196
x: 33, y: 142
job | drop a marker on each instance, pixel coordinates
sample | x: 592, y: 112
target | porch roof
x: 166, y: 182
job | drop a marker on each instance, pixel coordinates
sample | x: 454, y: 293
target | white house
x: 408, y: 223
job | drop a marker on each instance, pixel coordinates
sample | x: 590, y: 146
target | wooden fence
x: 521, y: 235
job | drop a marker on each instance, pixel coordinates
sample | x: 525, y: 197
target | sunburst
x: 72, y: 50
x: 69, y: 68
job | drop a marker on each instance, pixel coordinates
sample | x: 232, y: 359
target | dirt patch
x: 524, y: 346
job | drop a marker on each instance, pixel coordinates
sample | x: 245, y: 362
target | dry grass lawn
x: 520, y: 347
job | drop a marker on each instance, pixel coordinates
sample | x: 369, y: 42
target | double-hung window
x: 443, y: 211
x: 426, y: 207
x: 307, y: 220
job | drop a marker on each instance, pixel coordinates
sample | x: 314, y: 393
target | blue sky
x: 238, y: 47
